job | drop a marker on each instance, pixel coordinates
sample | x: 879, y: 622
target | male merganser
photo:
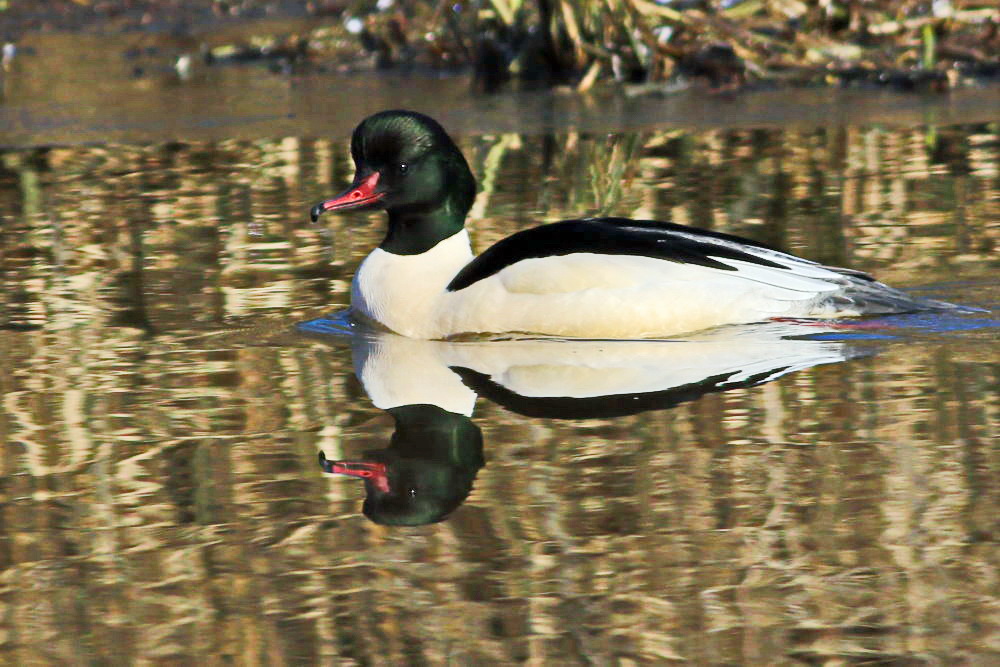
x: 590, y: 278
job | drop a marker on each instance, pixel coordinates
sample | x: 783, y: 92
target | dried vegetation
x: 724, y: 44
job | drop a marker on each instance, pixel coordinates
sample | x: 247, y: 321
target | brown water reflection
x: 161, y: 500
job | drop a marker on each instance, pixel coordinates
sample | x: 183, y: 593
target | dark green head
x: 407, y: 164
x: 426, y: 472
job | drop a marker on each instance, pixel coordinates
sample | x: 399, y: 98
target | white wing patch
x: 583, y: 271
x: 569, y: 273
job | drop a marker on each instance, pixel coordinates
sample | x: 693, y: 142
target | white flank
x: 625, y: 296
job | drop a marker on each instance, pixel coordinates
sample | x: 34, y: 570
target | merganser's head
x: 406, y: 164
x: 426, y: 472
x: 403, y: 490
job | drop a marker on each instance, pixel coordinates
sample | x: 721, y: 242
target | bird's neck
x: 428, y: 432
x: 416, y: 229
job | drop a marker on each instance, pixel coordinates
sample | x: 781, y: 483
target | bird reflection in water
x: 430, y: 389
x: 426, y: 471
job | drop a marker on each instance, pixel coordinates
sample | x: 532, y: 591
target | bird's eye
x: 412, y: 491
x: 403, y: 167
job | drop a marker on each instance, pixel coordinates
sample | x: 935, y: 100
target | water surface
x: 813, y: 493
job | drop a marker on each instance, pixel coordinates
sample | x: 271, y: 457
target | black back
x: 613, y: 236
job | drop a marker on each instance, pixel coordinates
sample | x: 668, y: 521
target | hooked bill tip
x: 315, y: 212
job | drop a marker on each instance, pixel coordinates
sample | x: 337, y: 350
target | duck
x: 595, y: 278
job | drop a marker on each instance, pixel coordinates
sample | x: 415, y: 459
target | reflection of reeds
x: 161, y: 500
x: 489, y: 171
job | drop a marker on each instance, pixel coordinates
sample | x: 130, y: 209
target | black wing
x: 615, y: 236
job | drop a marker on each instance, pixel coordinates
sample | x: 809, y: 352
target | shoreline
x: 643, y: 46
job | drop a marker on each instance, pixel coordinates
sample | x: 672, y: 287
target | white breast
x: 404, y: 292
x: 399, y: 371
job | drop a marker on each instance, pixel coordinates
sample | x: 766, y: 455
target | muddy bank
x: 84, y: 88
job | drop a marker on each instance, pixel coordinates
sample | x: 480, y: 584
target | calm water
x: 784, y: 493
